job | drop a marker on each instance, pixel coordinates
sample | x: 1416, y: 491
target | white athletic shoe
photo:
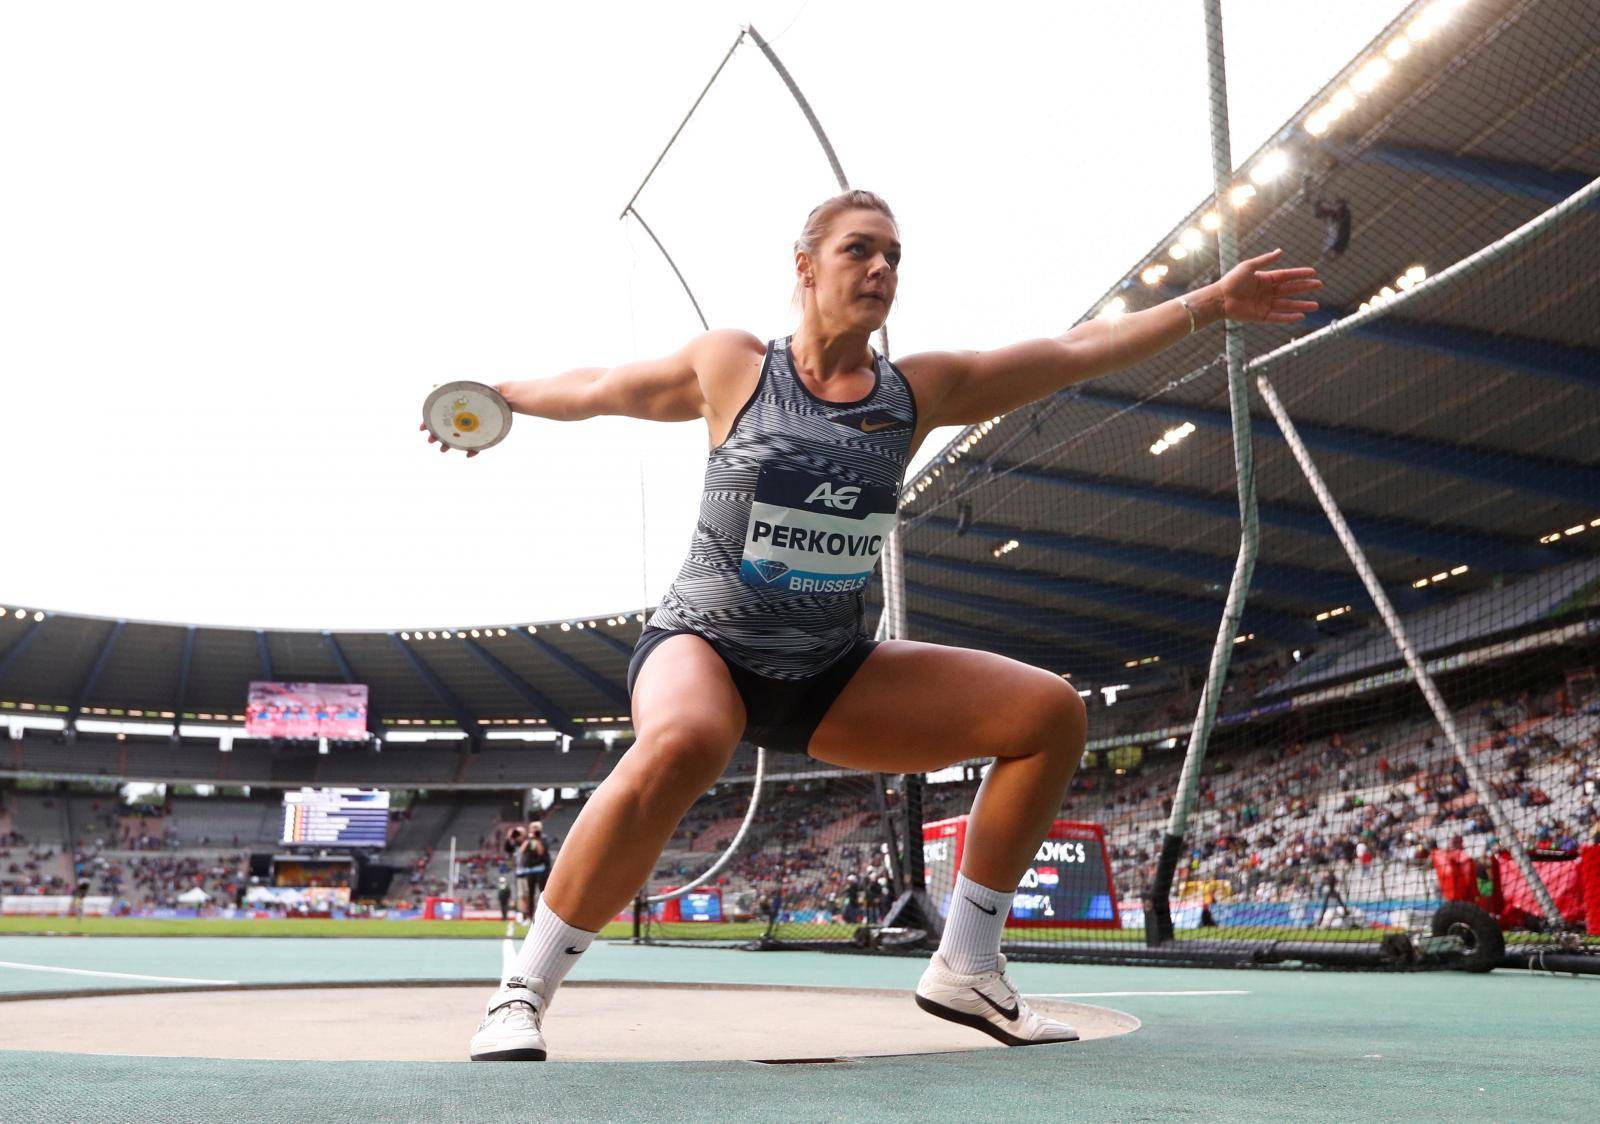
x: 510, y: 1028
x: 987, y: 1001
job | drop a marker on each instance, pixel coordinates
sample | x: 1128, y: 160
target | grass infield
x: 490, y: 930
x: 323, y: 927
x: 1037, y: 939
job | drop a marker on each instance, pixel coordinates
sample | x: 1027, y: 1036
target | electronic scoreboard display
x: 1068, y: 884
x: 336, y: 817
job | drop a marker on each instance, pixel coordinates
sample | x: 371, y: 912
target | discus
x: 467, y: 415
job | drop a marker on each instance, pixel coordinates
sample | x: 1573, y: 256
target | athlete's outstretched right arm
x: 667, y: 389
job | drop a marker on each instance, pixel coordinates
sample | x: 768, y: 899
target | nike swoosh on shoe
x: 1010, y: 1015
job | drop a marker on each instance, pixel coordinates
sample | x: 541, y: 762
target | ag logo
x: 843, y: 499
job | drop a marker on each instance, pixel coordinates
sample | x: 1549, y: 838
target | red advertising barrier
x: 1574, y: 884
x: 1589, y: 881
x: 442, y: 909
x: 1560, y: 878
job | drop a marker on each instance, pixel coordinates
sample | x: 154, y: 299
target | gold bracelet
x: 1190, y: 311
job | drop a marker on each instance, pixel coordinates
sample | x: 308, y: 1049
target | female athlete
x: 760, y: 636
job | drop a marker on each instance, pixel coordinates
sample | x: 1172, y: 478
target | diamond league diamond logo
x: 769, y: 569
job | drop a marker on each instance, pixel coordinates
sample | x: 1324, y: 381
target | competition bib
x: 810, y: 533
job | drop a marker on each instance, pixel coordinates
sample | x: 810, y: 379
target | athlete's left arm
x: 962, y: 387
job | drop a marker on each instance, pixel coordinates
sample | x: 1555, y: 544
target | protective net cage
x: 1337, y: 813
x: 818, y: 861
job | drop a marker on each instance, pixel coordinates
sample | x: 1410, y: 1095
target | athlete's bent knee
x: 1061, y: 723
x: 687, y: 754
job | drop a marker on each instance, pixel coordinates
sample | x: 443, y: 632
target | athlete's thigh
x: 912, y: 707
x: 684, y: 690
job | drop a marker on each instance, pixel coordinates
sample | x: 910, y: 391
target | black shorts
x: 780, y: 714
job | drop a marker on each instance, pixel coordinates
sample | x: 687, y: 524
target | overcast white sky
x: 239, y: 243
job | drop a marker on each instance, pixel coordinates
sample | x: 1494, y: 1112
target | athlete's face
x: 856, y: 269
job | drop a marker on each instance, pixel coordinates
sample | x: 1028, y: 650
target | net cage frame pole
x: 733, y: 845
x: 1585, y: 196
x: 1158, y: 905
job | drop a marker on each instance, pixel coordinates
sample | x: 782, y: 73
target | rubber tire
x: 1486, y: 945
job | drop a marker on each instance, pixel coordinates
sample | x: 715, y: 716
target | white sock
x: 551, y: 949
x: 971, y: 941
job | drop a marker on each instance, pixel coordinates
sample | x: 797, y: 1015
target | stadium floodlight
x: 1171, y: 437
x: 1192, y: 238
x: 1370, y: 75
x: 1241, y: 195
x: 1116, y: 306
x: 566, y: 626
x: 1433, y: 17
x: 1398, y: 48
x: 1270, y: 167
x: 1178, y: 251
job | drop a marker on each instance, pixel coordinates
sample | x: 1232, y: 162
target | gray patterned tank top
x: 798, y: 505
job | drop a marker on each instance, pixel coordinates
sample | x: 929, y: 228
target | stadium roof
x: 1458, y: 433
x: 1461, y: 433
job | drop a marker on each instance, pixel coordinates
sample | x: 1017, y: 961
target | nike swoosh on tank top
x: 797, y: 507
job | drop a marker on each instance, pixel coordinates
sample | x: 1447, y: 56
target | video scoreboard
x: 336, y: 817
x: 336, y: 711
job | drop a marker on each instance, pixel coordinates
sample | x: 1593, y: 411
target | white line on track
x: 508, y: 950
x: 1112, y: 994
x: 108, y: 975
